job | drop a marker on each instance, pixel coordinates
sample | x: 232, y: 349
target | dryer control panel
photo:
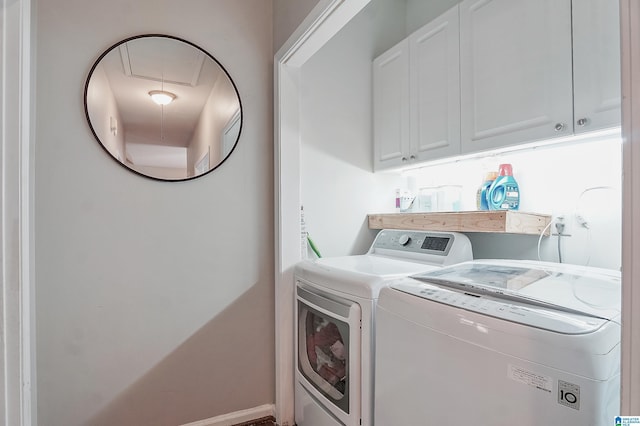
x: 441, y: 248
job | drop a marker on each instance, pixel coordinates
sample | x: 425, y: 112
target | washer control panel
x: 551, y: 319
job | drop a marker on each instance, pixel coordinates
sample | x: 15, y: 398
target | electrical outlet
x: 561, y: 218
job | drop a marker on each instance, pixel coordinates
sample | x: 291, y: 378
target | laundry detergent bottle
x: 504, y: 193
x: 481, y: 195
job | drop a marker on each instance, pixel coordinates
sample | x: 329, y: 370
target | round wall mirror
x: 163, y: 107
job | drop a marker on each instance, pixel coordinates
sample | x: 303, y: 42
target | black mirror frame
x: 121, y: 163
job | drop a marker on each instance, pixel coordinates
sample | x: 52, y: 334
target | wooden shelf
x: 500, y: 221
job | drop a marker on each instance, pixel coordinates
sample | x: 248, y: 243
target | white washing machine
x: 335, y: 301
x: 493, y: 343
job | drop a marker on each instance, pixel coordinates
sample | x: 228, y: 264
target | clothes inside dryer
x: 326, y: 351
x: 328, y: 333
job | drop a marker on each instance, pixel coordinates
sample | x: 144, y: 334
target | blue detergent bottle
x: 481, y: 195
x: 504, y: 193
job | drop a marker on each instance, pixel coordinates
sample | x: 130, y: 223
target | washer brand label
x: 627, y: 420
x: 522, y: 375
x: 569, y: 394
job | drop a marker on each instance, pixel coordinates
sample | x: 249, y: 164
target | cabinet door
x: 596, y: 64
x: 515, y: 71
x: 391, y: 107
x: 434, y: 71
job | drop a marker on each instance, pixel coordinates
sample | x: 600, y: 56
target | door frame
x: 17, y: 382
x: 323, y: 22
x: 630, y: 68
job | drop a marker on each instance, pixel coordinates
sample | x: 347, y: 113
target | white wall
x: 105, y: 113
x: 220, y: 107
x: 581, y: 179
x: 338, y: 187
x: 154, y: 299
x: 419, y: 12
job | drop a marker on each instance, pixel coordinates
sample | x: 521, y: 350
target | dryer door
x: 328, y: 353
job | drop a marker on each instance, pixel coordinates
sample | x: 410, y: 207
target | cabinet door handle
x: 582, y: 122
x: 559, y: 127
x: 404, y: 159
x: 413, y: 157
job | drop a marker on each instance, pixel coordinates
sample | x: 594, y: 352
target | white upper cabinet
x: 596, y: 64
x: 416, y: 90
x: 515, y: 72
x: 494, y: 73
x: 434, y: 113
x: 391, y: 107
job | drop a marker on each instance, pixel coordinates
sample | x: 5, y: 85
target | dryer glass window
x: 323, y: 353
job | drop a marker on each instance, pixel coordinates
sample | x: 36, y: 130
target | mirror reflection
x: 163, y: 107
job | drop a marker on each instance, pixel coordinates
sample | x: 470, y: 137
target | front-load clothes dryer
x: 335, y: 301
x: 493, y: 343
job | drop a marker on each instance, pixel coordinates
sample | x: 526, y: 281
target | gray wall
x: 154, y: 300
x: 287, y: 16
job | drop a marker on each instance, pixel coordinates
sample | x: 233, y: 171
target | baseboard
x: 238, y: 417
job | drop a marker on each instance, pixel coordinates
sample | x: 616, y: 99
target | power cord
x: 582, y: 221
x: 559, y: 224
x: 559, y: 228
x: 542, y: 235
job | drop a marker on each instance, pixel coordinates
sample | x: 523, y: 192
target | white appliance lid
x: 585, y: 290
x: 361, y: 275
x: 380, y: 266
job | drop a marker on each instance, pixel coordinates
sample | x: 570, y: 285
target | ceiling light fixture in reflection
x: 162, y: 97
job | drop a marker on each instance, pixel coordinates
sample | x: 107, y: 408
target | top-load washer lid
x: 560, y: 287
